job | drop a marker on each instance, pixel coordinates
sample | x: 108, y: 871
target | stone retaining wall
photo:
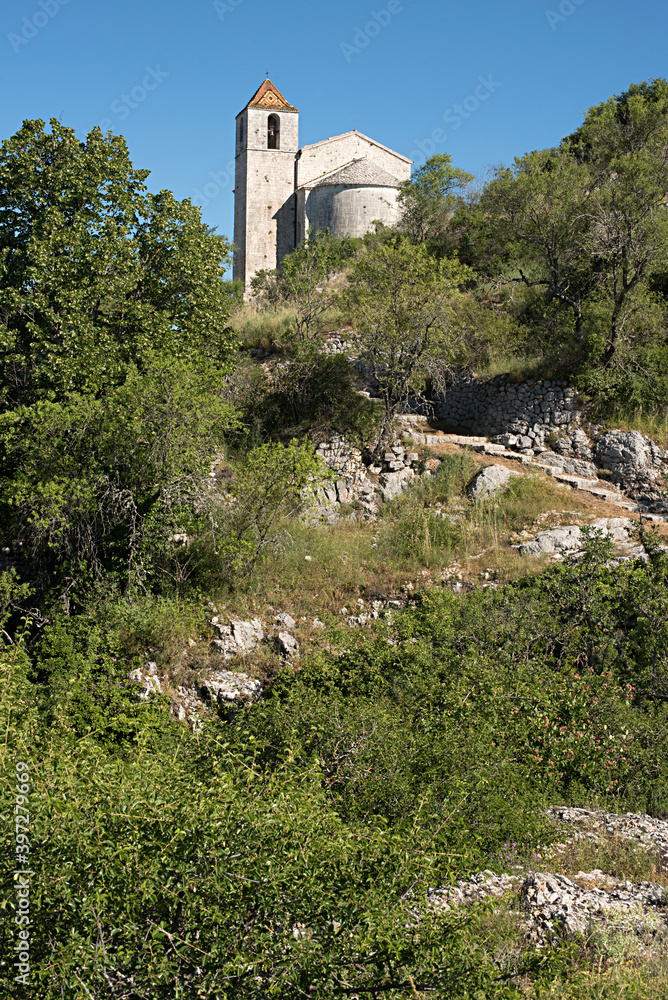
x: 495, y: 406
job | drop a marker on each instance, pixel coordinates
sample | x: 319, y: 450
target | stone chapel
x: 283, y: 191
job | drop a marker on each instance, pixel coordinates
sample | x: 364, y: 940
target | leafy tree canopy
x: 113, y: 346
x: 97, y: 274
x: 430, y: 196
x: 401, y: 301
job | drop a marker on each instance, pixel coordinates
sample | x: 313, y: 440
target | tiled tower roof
x: 269, y: 98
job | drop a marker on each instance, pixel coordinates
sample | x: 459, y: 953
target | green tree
x: 429, y: 198
x: 101, y: 485
x: 537, y: 213
x: 401, y: 302
x: 96, y: 274
x: 305, y: 278
x: 275, y: 482
x: 624, y: 144
x: 114, y: 345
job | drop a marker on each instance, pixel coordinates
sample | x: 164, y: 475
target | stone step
x: 440, y: 437
x: 594, y: 487
x: 469, y: 441
x: 577, y: 482
x: 486, y: 448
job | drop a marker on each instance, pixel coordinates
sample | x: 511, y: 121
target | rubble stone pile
x: 550, y: 907
x: 636, y: 463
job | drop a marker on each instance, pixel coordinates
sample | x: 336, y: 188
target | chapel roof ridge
x: 359, y: 171
x: 356, y: 131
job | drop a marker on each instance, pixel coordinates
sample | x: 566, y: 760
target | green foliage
x: 480, y: 708
x: 113, y: 345
x: 274, y: 482
x: 537, y: 218
x: 88, y: 691
x: 401, y: 303
x: 206, y: 877
x: 304, y: 276
x: 102, y: 483
x: 635, y: 380
x: 584, y: 225
x: 97, y: 275
x: 289, y: 849
x: 429, y: 198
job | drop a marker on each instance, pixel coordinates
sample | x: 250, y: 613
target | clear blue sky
x: 171, y: 76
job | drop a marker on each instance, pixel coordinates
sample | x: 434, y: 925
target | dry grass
x: 605, y: 979
x: 262, y: 327
x: 431, y: 536
x: 271, y: 328
x: 620, y: 857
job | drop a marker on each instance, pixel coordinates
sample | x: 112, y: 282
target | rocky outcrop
x: 394, y: 483
x: 570, y: 466
x: 237, y: 637
x: 147, y: 678
x: 596, y: 824
x: 559, y: 907
x: 554, y: 541
x: 570, y: 539
x: 636, y: 462
x: 490, y: 481
x: 226, y: 687
x: 550, y: 906
x: 288, y: 646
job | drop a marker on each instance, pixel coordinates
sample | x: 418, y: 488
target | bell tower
x: 267, y: 142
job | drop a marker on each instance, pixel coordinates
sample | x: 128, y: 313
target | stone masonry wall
x: 264, y: 203
x: 495, y: 406
x: 350, y: 211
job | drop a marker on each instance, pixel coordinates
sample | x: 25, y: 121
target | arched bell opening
x: 273, y: 132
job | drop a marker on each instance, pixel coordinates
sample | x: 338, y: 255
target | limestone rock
x: 554, y: 907
x: 288, y: 646
x: 394, y: 483
x: 489, y: 481
x: 628, y: 448
x: 238, y: 637
x: 149, y: 680
x: 570, y: 466
x: 285, y: 620
x: 636, y: 462
x: 226, y: 687
x: 554, y: 540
